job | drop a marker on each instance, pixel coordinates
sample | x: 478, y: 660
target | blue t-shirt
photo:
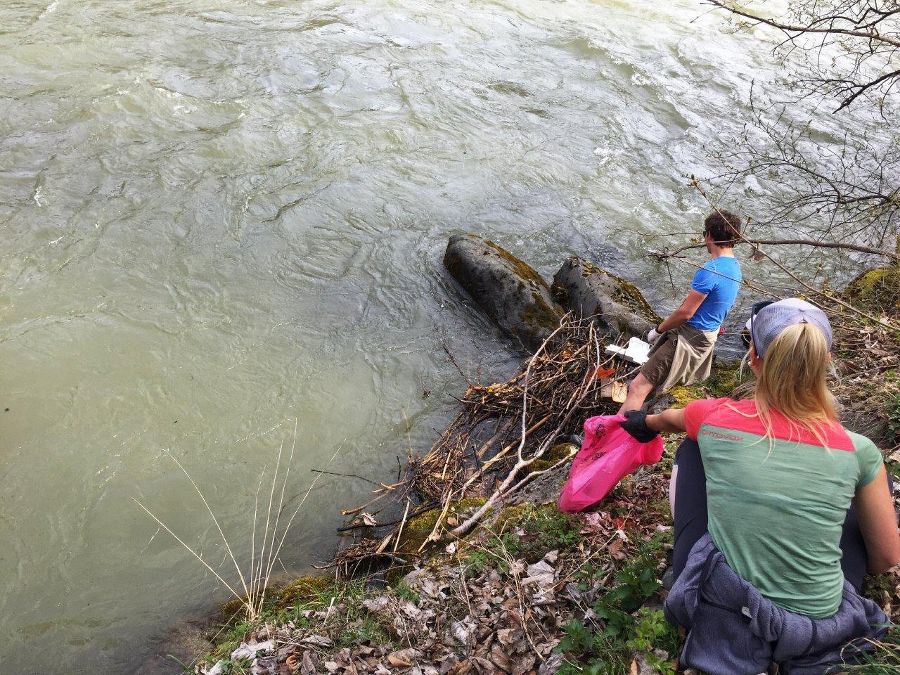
x: 719, y: 280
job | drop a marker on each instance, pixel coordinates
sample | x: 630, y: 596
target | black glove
x: 636, y: 424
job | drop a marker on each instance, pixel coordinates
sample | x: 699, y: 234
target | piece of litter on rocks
x: 614, y: 390
x: 248, y: 650
x: 316, y: 641
x: 636, y: 351
x: 376, y: 605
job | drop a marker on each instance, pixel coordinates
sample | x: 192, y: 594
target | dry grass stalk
x: 262, y: 562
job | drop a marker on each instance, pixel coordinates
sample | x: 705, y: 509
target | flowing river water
x: 222, y: 218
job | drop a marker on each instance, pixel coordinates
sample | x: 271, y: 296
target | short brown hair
x: 723, y: 226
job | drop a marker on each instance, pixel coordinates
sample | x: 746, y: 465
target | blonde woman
x: 768, y: 561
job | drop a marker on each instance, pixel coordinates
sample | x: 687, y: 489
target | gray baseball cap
x: 770, y: 320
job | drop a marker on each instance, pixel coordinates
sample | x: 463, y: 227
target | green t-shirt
x: 777, y: 504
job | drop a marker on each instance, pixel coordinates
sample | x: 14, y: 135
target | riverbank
x: 457, y: 578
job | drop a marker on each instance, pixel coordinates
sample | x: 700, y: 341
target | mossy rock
x: 560, y: 451
x: 507, y: 290
x: 725, y: 379
x: 510, y: 515
x: 417, y: 529
x: 682, y: 395
x: 877, y: 288
x: 617, y: 305
x: 722, y: 382
x: 302, y: 590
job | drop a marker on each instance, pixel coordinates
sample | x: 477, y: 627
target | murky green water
x: 219, y: 216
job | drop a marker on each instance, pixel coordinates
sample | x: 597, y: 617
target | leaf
x: 603, y: 373
x: 402, y: 658
x: 615, y: 549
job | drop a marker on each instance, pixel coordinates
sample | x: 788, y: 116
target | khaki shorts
x: 662, y: 354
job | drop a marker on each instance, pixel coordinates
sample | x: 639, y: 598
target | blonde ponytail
x: 792, y: 380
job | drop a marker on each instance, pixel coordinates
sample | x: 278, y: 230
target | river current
x: 222, y: 218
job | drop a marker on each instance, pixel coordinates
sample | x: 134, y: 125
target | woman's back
x: 777, y: 503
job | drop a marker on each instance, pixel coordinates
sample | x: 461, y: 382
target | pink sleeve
x: 696, y: 412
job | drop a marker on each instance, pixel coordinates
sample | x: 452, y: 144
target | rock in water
x: 508, y: 290
x: 590, y: 291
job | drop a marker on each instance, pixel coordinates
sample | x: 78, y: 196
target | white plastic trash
x: 636, y: 351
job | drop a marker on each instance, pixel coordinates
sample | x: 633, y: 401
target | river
x: 222, y: 218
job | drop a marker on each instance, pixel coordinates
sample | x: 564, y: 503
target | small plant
x: 652, y: 633
x: 593, y: 652
x: 892, y: 411
x: 476, y: 562
x: 625, y: 627
x: 363, y: 631
x: 403, y: 591
x: 236, y: 667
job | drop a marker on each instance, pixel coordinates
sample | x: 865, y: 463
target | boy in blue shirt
x: 682, y: 345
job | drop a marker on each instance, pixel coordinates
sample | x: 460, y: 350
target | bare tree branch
x: 871, y: 34
x: 789, y: 242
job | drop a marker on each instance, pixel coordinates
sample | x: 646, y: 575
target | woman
x: 763, y: 487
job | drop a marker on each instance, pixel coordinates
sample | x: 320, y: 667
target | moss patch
x: 560, y: 451
x: 625, y: 293
x: 722, y: 382
x: 528, y: 531
x: 417, y: 529
x: 522, y: 269
x: 877, y: 288
x: 301, y: 591
x: 682, y: 395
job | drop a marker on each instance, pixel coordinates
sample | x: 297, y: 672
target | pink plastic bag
x: 607, y: 454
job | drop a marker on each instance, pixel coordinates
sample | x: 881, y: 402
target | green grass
x: 884, y: 659
x: 403, y: 591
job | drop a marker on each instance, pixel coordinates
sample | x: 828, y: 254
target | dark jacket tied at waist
x: 734, y: 630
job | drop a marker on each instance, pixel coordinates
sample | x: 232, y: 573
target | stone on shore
x: 617, y: 305
x: 508, y: 290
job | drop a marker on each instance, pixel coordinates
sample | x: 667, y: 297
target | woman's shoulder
x: 862, y: 444
x: 708, y: 406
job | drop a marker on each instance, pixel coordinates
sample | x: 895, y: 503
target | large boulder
x: 508, y: 290
x: 616, y: 305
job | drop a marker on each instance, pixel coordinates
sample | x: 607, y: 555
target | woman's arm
x: 668, y: 420
x: 878, y: 523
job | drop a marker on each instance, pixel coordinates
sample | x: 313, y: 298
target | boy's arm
x: 685, y: 311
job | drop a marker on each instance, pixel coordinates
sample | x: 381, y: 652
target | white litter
x: 637, y: 351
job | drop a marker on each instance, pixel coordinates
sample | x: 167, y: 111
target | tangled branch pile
x: 502, y: 439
